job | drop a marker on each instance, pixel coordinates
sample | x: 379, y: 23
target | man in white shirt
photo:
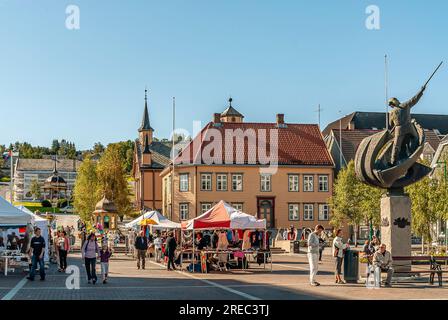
x: 313, y: 253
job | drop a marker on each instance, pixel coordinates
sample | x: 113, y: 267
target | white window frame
x: 265, y: 182
x: 238, y: 205
x: 205, y: 206
x: 308, y: 183
x: 308, y: 211
x: 323, y: 183
x: 237, y: 180
x: 291, y: 208
x: 221, y: 182
x: 293, y: 182
x: 207, y: 179
x: 184, y: 186
x: 324, y: 208
x: 184, y: 211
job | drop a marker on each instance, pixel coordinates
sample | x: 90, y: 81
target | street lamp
x: 446, y: 221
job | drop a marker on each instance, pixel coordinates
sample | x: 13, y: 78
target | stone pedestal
x: 396, y: 228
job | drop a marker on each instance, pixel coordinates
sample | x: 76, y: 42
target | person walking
x: 313, y: 253
x: 170, y: 250
x: 338, y: 254
x: 158, y: 248
x: 141, y: 245
x: 89, y: 254
x: 63, y: 248
x: 37, y: 251
x: 105, y: 254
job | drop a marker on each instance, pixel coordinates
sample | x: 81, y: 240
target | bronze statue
x: 388, y: 159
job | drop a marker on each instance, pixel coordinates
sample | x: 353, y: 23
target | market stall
x: 43, y: 225
x: 153, y: 218
x: 232, y: 223
x: 15, y: 227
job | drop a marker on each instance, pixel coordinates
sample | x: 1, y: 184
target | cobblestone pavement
x: 288, y: 280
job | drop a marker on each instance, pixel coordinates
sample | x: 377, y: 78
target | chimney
x: 217, y: 119
x: 280, y: 118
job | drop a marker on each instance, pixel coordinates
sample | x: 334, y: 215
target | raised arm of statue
x: 413, y: 101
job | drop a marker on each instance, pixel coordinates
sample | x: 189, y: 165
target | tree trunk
x: 423, y: 245
x: 356, y: 235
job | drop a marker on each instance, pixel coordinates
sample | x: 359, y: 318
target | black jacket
x: 171, y: 246
x: 141, y: 243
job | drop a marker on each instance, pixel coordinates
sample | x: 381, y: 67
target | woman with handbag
x: 338, y: 254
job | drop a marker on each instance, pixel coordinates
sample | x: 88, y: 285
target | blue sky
x: 273, y: 57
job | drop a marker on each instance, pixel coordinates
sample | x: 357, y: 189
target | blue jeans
x: 34, y: 260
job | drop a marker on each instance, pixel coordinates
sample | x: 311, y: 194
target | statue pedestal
x: 396, y: 228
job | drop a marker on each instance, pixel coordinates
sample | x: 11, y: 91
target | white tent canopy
x: 241, y: 220
x: 12, y: 216
x: 161, y: 222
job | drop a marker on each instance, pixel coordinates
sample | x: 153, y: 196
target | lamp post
x: 446, y: 221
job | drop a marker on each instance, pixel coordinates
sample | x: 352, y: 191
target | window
x: 323, y: 183
x: 206, y: 182
x: 205, y: 206
x: 293, y: 212
x: 183, y: 185
x: 265, y: 182
x: 221, y: 182
x: 308, y: 211
x: 308, y: 183
x: 183, y: 210
x: 323, y: 211
x: 238, y: 206
x: 293, y: 182
x: 237, y: 182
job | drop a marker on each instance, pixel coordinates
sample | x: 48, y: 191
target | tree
x: 354, y: 202
x: 98, y: 148
x: 86, y: 193
x: 35, y: 189
x: 112, y: 178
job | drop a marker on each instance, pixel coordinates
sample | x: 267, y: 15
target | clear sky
x: 284, y: 56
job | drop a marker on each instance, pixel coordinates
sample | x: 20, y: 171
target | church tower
x: 145, y: 131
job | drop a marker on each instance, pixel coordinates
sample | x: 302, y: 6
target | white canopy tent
x: 41, y: 223
x: 11, y: 216
x: 241, y: 220
x: 160, y: 221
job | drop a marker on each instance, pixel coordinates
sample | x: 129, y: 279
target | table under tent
x: 241, y: 236
x: 15, y: 233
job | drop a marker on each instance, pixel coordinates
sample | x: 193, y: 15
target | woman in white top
x: 338, y: 254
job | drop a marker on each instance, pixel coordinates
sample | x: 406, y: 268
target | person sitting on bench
x: 382, y: 259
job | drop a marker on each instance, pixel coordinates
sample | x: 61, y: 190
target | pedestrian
x: 105, y: 254
x: 338, y: 254
x: 63, y: 248
x: 313, y: 253
x: 291, y: 234
x: 382, y: 261
x: 170, y: 250
x: 321, y: 248
x: 89, y: 254
x: 37, y: 251
x: 141, y: 245
x: 158, y: 248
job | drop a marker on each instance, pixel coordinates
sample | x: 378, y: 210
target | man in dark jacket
x: 141, y: 245
x: 170, y: 250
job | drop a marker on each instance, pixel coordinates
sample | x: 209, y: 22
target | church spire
x: 145, y: 120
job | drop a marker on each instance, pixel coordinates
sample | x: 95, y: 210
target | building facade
x: 293, y: 191
x: 28, y: 170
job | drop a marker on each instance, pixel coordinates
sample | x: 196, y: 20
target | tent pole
x: 194, y: 256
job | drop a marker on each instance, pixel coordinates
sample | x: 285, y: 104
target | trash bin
x: 351, y: 266
x: 295, y: 247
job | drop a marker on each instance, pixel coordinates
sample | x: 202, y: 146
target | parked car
x: 68, y: 209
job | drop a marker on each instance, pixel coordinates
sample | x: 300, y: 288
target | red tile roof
x: 298, y: 144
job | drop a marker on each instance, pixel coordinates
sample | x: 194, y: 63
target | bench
x: 434, y: 266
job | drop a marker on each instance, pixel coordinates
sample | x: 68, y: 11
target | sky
x: 288, y: 56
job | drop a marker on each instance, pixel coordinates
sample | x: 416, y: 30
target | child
x: 105, y: 254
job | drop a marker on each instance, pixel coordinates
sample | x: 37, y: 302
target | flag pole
x: 11, y: 181
x: 386, y: 91
x: 173, y: 156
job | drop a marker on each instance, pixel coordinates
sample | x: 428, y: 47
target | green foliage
x: 354, y: 202
x: 35, y: 189
x: 112, y: 178
x: 61, y: 148
x: 126, y: 150
x: 86, y: 189
x: 62, y: 203
x: 5, y: 179
x: 46, y: 204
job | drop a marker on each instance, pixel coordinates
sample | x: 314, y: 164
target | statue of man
x: 400, y: 119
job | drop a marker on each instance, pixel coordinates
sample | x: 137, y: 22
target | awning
x: 12, y: 216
